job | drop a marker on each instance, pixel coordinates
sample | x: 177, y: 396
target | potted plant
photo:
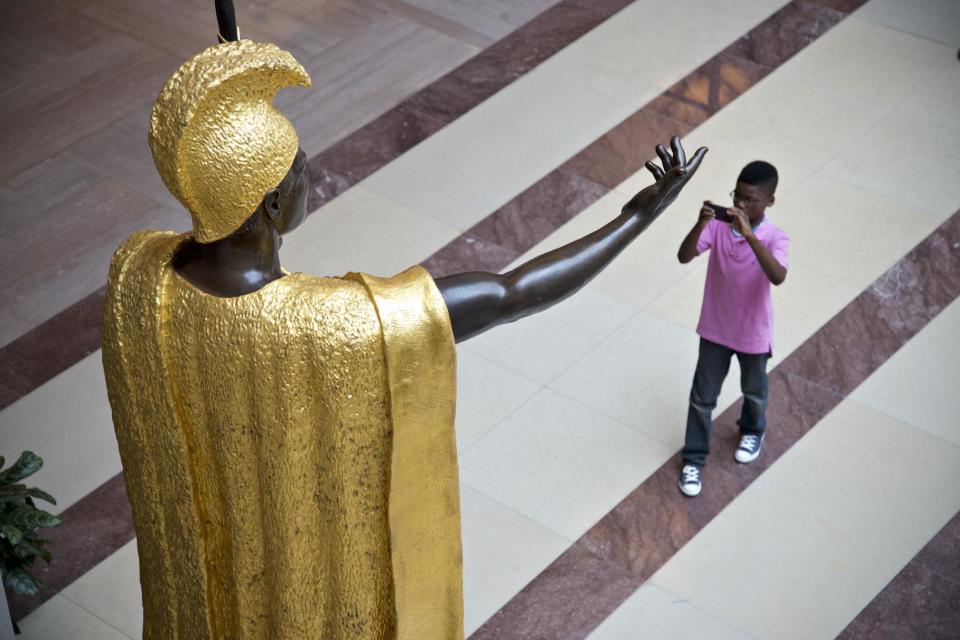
x: 20, y: 521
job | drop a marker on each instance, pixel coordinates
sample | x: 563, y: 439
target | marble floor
x: 488, y: 132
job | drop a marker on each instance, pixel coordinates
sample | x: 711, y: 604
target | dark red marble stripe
x: 779, y: 38
x: 923, y: 601
x: 50, y: 348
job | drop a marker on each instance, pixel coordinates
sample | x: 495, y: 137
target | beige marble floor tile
x: 824, y: 118
x: 470, y: 168
x: 641, y: 376
x: 681, y: 303
x: 649, y: 45
x: 60, y: 619
x: 67, y: 422
x: 502, y: 552
x: 543, y: 346
x: 560, y: 464
x: 803, y: 304
x: 363, y: 231
x: 933, y: 19
x: 871, y: 62
x: 486, y: 394
x: 815, y: 538
x: 111, y: 591
x: 918, y: 384
x: 907, y: 159
x: 828, y: 219
x: 734, y: 141
x: 651, y: 612
x: 938, y: 101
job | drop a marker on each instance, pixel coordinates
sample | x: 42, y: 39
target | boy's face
x: 752, y: 199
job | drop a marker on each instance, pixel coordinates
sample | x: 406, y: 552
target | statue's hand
x: 668, y: 181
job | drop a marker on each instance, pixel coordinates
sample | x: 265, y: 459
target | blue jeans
x: 712, y: 367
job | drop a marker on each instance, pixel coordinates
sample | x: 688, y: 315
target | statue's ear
x: 271, y: 204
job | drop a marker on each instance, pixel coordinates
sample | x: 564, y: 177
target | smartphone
x: 722, y: 213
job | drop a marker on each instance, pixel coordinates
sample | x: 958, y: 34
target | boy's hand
x: 741, y: 222
x: 706, y: 214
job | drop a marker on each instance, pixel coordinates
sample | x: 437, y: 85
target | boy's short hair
x: 760, y: 174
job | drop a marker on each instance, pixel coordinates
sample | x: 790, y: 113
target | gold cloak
x: 289, y: 454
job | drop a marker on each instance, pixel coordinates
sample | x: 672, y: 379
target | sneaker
x: 690, y: 480
x: 749, y: 449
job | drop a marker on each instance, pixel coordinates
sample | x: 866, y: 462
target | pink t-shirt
x: 737, y: 310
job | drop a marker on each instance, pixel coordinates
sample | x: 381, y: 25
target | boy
x: 746, y: 255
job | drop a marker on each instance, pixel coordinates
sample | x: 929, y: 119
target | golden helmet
x: 217, y: 140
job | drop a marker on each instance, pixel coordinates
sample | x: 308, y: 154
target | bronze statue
x: 288, y: 439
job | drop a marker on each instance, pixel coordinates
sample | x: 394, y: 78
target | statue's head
x: 285, y: 206
x: 220, y: 145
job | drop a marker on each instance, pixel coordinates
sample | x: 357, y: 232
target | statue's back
x: 255, y: 433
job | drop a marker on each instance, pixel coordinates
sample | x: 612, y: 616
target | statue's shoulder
x: 144, y: 244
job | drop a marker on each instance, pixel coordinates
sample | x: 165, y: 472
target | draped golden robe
x: 289, y: 454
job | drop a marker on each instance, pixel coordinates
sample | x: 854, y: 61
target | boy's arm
x: 688, y: 248
x: 775, y: 271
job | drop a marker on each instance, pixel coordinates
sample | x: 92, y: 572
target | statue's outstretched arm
x: 478, y: 300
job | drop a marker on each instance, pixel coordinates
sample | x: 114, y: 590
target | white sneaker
x: 690, y: 480
x: 749, y: 449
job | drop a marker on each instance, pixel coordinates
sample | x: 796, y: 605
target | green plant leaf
x: 13, y: 534
x: 30, y: 518
x: 28, y: 464
x: 21, y: 582
x: 13, y: 491
x: 28, y: 549
x: 40, y: 494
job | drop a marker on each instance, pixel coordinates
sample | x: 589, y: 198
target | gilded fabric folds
x: 288, y: 453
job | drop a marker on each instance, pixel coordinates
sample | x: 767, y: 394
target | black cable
x: 226, y: 21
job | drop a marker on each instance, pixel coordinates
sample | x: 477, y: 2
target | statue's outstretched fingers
x: 665, y: 158
x: 679, y: 157
x: 655, y: 170
x: 697, y: 158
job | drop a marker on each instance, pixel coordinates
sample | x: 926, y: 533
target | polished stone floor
x: 467, y: 135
